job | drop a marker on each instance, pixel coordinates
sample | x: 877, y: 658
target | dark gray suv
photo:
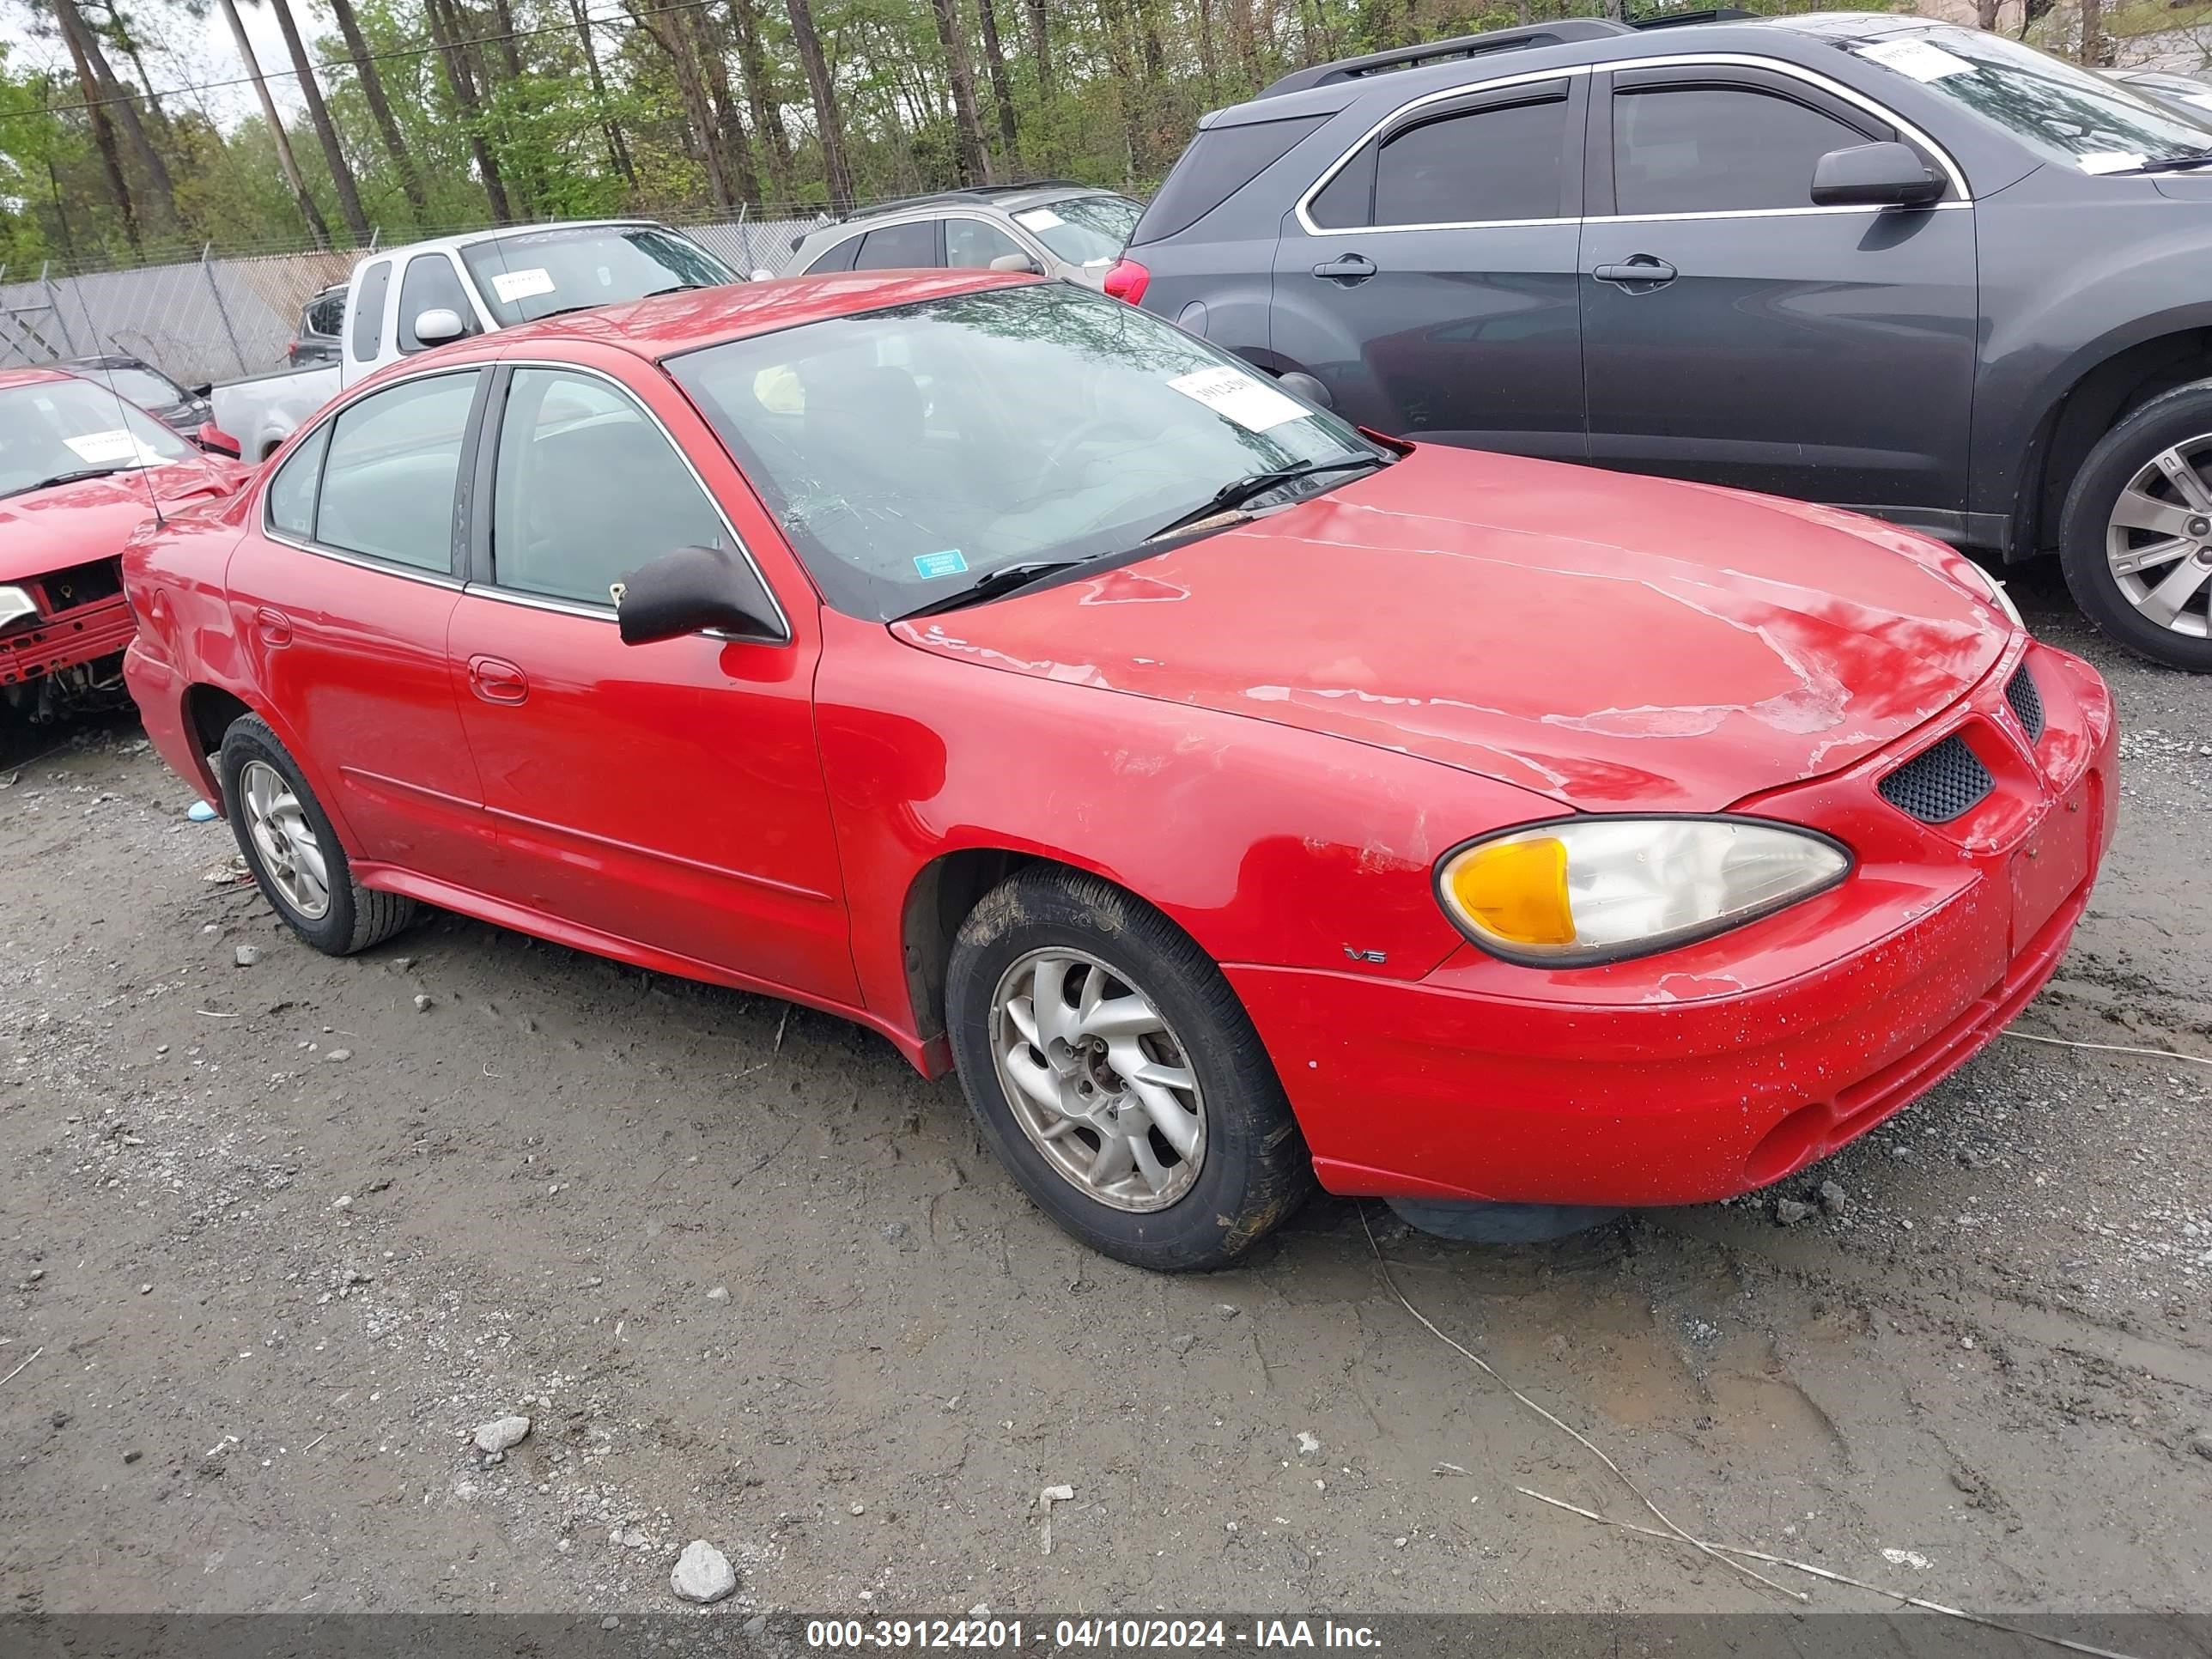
x: 1901, y: 267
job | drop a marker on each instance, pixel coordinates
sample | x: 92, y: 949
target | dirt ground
x: 274, y: 1241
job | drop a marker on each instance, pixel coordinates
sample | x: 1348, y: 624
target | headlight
x: 1581, y: 890
x: 1995, y: 590
x: 15, y: 605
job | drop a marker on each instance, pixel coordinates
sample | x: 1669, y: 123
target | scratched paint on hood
x: 1609, y: 640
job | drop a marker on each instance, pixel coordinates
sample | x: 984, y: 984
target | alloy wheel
x: 2158, y: 538
x: 1098, y: 1080
x: 290, y: 856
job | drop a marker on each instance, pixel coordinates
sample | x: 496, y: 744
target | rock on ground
x: 702, y: 1573
x: 500, y: 1433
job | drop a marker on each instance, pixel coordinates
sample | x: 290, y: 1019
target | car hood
x: 1610, y: 642
x: 74, y: 524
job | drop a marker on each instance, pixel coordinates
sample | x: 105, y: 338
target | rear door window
x: 388, y: 480
x: 899, y: 248
x: 1504, y: 161
x: 370, y: 291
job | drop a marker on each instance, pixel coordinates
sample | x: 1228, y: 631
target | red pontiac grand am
x: 79, y: 470
x: 1232, y: 798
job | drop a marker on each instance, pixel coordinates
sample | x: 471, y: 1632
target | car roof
x: 1004, y: 198
x: 669, y: 324
x: 461, y: 240
x: 33, y: 376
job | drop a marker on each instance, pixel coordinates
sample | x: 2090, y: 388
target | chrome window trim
x: 1684, y: 60
x: 515, y: 595
x: 346, y: 555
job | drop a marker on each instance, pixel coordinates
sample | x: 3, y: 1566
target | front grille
x: 1939, y: 784
x: 2026, y: 702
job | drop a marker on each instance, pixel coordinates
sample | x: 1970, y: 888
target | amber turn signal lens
x: 1517, y: 890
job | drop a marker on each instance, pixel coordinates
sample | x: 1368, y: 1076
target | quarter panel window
x: 1718, y: 150
x: 1498, y: 163
x: 388, y: 480
x: 431, y: 281
x: 588, y: 487
x: 292, y: 491
x: 838, y: 258
x: 369, y: 310
x: 899, y: 248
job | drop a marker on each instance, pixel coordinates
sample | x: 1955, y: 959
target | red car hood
x: 49, y: 530
x: 1607, y: 641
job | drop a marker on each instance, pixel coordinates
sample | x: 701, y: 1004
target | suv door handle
x: 496, y: 680
x: 274, y: 627
x: 1351, y: 269
x: 1642, y: 272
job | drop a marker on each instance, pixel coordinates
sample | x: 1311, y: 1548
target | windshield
x: 909, y: 454
x: 1083, y: 230
x: 141, y: 387
x: 2063, y: 112
x: 53, y: 429
x: 541, y: 271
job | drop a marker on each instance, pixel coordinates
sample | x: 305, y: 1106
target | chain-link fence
x: 219, y: 319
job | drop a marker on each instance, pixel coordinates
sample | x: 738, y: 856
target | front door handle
x: 1351, y: 269
x: 274, y: 627
x: 1640, y: 274
x: 496, y: 680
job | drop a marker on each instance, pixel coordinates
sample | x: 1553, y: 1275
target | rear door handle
x: 274, y: 627
x: 496, y: 680
x: 1351, y: 269
x: 1641, y: 272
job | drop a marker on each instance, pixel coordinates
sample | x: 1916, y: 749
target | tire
x: 1248, y: 1170
x: 352, y: 918
x: 2180, y: 420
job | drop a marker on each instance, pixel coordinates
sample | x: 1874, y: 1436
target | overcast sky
x: 191, y: 53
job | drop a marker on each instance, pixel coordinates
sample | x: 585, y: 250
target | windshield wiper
x: 674, y: 288
x: 1003, y: 580
x: 77, y: 476
x: 2198, y: 157
x: 1238, y: 491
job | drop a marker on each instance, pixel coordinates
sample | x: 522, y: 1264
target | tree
x: 445, y: 33
x: 326, y: 130
x: 1002, y: 92
x: 107, y: 93
x: 829, y: 126
x: 290, y: 162
x: 967, y: 127
x: 372, y: 87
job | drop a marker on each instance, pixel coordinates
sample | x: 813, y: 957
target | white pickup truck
x: 412, y: 298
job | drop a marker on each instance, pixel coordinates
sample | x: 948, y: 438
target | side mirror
x: 1300, y: 384
x: 214, y: 440
x: 1873, y: 175
x: 1020, y: 262
x: 762, y: 274
x: 691, y: 589
x: 438, y: 325
x: 204, y: 390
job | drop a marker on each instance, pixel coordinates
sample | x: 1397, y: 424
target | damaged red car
x: 80, y: 468
x: 1232, y: 798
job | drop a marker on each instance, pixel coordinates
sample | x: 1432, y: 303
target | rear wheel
x: 2136, y: 536
x: 293, y: 852
x: 1114, y: 1072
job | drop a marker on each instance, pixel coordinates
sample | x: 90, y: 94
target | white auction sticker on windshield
x: 513, y: 285
x: 115, y: 448
x: 1924, y: 60
x: 2108, y: 161
x: 1253, y: 405
x: 1039, y: 219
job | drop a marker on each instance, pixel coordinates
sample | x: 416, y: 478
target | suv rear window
x: 1220, y: 161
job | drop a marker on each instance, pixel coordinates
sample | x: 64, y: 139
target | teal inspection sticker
x: 947, y: 563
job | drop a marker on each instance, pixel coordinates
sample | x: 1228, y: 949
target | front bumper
x: 1724, y: 1065
x: 67, y: 639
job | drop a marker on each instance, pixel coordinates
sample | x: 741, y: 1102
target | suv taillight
x: 1128, y: 281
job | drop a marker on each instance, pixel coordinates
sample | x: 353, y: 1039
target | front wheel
x: 2136, y: 536
x: 1114, y: 1072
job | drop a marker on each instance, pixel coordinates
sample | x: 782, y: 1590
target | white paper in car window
x: 1924, y: 60
x: 513, y: 285
x: 1039, y: 219
x: 115, y: 448
x: 2108, y: 161
x: 1253, y: 405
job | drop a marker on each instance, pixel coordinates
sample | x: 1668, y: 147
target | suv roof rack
x: 1437, y: 52
x: 1674, y: 19
x: 959, y: 193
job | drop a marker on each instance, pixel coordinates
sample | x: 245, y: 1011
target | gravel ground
x: 275, y: 1240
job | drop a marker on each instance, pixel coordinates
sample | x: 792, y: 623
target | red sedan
x: 80, y: 468
x: 1233, y: 798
